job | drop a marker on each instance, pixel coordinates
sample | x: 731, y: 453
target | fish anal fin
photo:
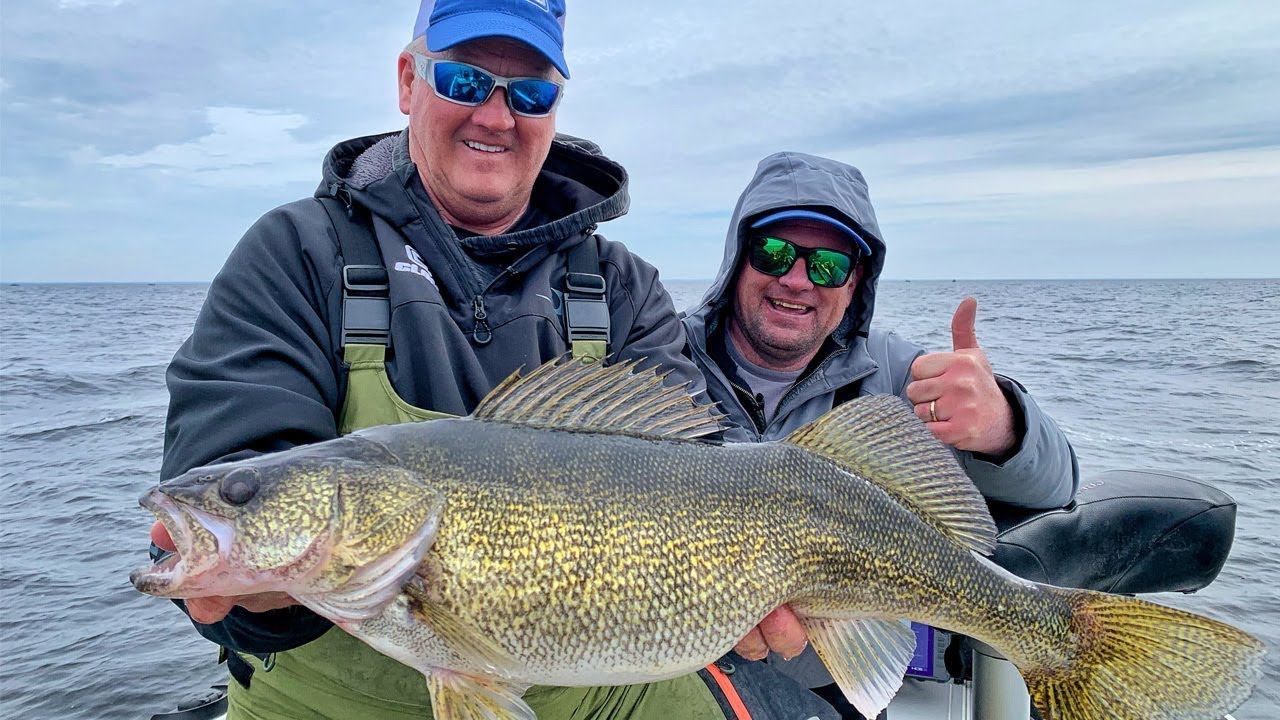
x: 867, y: 657
x: 594, y: 397
x: 455, y: 696
x: 879, y: 439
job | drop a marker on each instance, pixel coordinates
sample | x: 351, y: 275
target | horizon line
x: 11, y: 283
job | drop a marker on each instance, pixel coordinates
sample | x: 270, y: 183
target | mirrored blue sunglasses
x: 469, y: 85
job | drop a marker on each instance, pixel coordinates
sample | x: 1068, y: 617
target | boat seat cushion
x: 1128, y: 531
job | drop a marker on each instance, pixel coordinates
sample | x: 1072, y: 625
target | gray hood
x: 797, y: 180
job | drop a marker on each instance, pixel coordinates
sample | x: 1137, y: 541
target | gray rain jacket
x: 262, y: 370
x: 1041, y: 473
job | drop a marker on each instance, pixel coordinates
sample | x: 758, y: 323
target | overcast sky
x: 1001, y: 139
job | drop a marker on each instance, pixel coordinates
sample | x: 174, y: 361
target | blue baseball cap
x: 536, y: 23
x: 797, y: 214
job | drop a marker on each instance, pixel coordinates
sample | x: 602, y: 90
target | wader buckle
x: 366, y: 305
x: 586, y: 312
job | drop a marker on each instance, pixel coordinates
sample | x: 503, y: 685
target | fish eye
x: 239, y: 486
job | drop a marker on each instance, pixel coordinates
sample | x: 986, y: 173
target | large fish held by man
x: 573, y: 531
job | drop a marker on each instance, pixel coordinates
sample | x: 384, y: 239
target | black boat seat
x: 1128, y: 531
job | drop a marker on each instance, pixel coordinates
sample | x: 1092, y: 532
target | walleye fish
x: 573, y: 532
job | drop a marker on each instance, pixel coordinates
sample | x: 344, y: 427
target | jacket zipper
x: 481, y: 333
x: 751, y: 403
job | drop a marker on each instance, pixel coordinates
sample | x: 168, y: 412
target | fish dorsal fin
x: 879, y: 439
x: 572, y: 395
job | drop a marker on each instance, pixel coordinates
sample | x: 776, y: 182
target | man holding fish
x: 485, y: 260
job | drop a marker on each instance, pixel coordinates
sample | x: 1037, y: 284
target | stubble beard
x: 781, y: 350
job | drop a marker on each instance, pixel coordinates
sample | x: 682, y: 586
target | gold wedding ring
x: 933, y: 407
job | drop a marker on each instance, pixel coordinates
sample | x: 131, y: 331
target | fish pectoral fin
x: 867, y: 657
x: 455, y: 696
x: 373, y: 586
x: 485, y: 652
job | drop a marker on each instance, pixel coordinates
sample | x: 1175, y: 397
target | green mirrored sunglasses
x: 825, y: 267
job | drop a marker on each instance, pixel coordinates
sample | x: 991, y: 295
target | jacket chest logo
x: 415, y: 264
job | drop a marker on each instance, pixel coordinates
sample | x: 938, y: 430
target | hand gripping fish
x: 573, y: 532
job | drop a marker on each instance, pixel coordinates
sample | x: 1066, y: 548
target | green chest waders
x: 337, y: 677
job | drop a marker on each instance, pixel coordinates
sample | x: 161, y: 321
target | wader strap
x: 585, y: 311
x: 366, y: 294
x: 724, y: 691
x: 239, y: 668
x: 370, y: 400
x: 366, y: 335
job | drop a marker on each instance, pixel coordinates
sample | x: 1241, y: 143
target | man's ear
x: 405, y: 74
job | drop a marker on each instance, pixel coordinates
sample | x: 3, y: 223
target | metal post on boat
x: 999, y: 692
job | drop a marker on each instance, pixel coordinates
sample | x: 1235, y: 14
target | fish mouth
x: 200, y: 550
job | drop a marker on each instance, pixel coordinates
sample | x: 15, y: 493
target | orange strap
x: 730, y: 694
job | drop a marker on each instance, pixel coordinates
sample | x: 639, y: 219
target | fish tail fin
x: 1136, y: 660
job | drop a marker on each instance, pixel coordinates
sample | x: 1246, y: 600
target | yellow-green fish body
x: 571, y: 532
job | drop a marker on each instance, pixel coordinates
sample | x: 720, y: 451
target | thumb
x: 963, y: 335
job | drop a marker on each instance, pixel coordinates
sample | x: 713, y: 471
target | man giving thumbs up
x: 784, y: 334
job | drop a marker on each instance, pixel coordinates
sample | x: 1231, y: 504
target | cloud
x: 1029, y: 115
x: 33, y: 203
x: 1183, y: 186
x: 79, y: 4
x: 244, y: 148
x: 978, y: 123
x: 724, y: 81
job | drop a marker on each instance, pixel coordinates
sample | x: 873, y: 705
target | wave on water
x: 39, y: 382
x: 75, y: 430
x: 1239, y: 363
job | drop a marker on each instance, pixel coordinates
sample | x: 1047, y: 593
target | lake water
x: 1174, y: 375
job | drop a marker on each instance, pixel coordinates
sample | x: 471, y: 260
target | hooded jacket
x: 263, y: 369
x: 1040, y: 473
